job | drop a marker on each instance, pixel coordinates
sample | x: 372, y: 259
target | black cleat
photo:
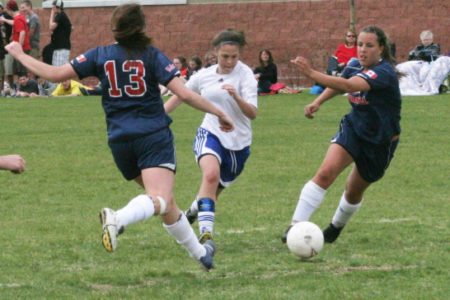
x: 190, y: 215
x: 331, y: 233
x: 284, y: 236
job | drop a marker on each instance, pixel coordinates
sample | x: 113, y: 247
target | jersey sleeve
x: 353, y: 66
x: 194, y: 83
x: 164, y: 70
x: 377, y: 77
x: 249, y: 88
x: 85, y: 64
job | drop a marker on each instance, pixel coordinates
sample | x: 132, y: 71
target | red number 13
x: 136, y: 72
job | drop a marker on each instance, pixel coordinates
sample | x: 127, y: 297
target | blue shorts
x: 372, y: 160
x: 231, y: 162
x: 150, y: 151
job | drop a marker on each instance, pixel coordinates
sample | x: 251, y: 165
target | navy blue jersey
x: 130, y: 88
x: 375, y: 114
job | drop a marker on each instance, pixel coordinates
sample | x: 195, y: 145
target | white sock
x: 344, y: 212
x: 184, y: 235
x: 310, y: 199
x: 194, y: 206
x: 138, y: 209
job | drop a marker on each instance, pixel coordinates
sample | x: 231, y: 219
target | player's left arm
x: 49, y: 72
x: 249, y: 110
x: 172, y: 104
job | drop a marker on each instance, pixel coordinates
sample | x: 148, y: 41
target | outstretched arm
x: 49, y: 72
x: 353, y: 84
x: 184, y: 94
x: 13, y: 162
x: 172, y: 104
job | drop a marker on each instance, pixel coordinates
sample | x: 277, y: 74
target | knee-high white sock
x: 184, y: 235
x: 138, y: 209
x: 344, y: 212
x: 310, y: 199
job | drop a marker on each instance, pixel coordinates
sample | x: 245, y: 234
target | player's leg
x: 348, y: 205
x: 158, y: 184
x: 371, y: 164
x: 313, y: 192
x: 210, y: 167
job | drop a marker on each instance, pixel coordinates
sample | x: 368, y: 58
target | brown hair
x: 229, y: 36
x: 128, y: 25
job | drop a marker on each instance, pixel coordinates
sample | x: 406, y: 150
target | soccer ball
x: 305, y: 239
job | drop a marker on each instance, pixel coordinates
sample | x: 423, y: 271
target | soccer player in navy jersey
x: 139, y: 137
x: 368, y: 135
x: 230, y: 84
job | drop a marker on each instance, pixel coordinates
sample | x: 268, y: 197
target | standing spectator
x: 20, y: 34
x: 2, y: 56
x: 9, y: 61
x: 61, y: 29
x: 34, y: 25
x: 27, y: 87
x: 266, y: 73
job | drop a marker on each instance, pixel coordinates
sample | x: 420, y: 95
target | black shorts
x: 372, y: 160
x: 150, y: 151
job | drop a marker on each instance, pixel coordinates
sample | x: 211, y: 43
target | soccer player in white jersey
x: 231, y: 86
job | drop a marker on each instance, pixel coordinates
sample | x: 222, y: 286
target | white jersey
x: 208, y: 83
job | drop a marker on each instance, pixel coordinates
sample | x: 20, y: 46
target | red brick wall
x: 310, y: 28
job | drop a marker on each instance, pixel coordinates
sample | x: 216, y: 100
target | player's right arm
x: 193, y: 99
x: 13, y: 162
x: 49, y: 72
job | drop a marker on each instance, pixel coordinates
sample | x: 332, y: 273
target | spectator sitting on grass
x: 27, y: 87
x: 69, y: 88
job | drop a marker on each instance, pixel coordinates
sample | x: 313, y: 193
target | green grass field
x: 396, y: 247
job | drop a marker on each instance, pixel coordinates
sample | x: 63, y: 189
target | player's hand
x: 14, y: 163
x: 303, y: 65
x: 226, y: 124
x: 230, y: 89
x: 310, y: 109
x: 14, y: 48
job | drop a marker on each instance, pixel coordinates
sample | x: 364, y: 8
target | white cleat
x: 109, y: 228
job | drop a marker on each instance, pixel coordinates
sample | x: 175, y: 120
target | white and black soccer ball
x: 305, y: 239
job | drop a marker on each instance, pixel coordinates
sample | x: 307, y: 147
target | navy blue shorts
x: 372, y: 160
x: 231, y: 162
x: 150, y: 151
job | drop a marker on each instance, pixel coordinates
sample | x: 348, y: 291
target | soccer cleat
x: 284, y: 236
x: 191, y: 216
x: 205, y: 236
x: 109, y: 228
x: 331, y: 233
x: 206, y: 261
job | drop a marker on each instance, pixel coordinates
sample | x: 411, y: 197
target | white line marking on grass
x: 242, y: 231
x: 10, y: 285
x: 399, y: 220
